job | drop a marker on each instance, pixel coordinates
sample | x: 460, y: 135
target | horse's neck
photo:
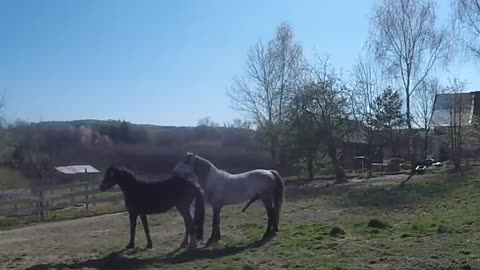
x: 205, y: 172
x: 214, y: 177
x: 126, y: 183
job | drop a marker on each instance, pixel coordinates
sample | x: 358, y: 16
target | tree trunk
x: 458, y: 146
x: 370, y: 153
x: 340, y: 176
x: 425, y: 145
x: 310, y: 161
x: 392, y: 143
x: 283, y: 156
x: 273, y: 148
x: 369, y: 168
x: 411, y: 150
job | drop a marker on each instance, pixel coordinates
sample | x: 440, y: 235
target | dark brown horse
x: 142, y: 199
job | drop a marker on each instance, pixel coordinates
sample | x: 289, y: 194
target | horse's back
x: 157, y: 197
x: 254, y: 175
x: 236, y: 188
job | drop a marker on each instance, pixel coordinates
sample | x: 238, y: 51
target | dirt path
x: 87, y: 238
x: 58, y: 241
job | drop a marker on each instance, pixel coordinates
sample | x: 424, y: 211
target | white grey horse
x: 222, y: 188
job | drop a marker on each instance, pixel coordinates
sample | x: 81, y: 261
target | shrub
x: 375, y: 223
x: 393, y: 165
x: 442, y: 229
x: 336, y: 231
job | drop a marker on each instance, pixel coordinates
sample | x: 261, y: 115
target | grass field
x: 10, y: 179
x: 433, y: 222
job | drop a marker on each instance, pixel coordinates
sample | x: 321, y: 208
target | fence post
x: 39, y: 219
x: 93, y: 196
x: 71, y: 191
x: 40, y: 206
x: 86, y: 191
x: 86, y: 195
x: 51, y: 195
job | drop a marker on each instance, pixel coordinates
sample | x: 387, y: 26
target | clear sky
x: 166, y: 62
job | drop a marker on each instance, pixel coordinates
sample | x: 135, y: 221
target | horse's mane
x: 126, y: 171
x: 135, y: 178
x: 211, y: 164
x: 206, y: 161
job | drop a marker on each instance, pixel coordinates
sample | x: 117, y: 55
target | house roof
x: 445, y: 103
x: 75, y: 169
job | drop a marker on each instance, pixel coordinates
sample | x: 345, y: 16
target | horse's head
x: 110, y: 178
x: 186, y: 167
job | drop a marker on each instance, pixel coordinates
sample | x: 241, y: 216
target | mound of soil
x: 336, y: 231
x: 376, y: 223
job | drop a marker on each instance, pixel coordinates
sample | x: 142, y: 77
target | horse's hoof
x: 130, y: 246
x: 211, y: 242
x: 149, y: 246
x: 268, y: 236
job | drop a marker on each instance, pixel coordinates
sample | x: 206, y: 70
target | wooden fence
x: 51, y: 198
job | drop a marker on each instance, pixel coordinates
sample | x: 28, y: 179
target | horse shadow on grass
x: 118, y: 260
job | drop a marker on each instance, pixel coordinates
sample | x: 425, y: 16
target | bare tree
x: 207, y: 122
x: 407, y: 41
x: 466, y: 18
x: 2, y: 108
x: 304, y: 138
x: 288, y: 61
x: 456, y: 117
x: 365, y: 82
x: 324, y: 104
x: 423, y: 107
x: 365, y: 85
x: 239, y: 123
x: 263, y: 93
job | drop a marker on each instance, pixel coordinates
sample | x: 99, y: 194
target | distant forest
x: 150, y: 150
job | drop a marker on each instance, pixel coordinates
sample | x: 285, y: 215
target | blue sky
x: 160, y: 62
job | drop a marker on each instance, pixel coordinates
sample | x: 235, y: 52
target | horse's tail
x: 199, y: 214
x: 278, y: 197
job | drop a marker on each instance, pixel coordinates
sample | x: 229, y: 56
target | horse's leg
x: 271, y: 218
x: 189, y: 226
x: 252, y: 200
x: 133, y: 227
x: 147, y: 231
x: 216, y: 235
x: 275, y: 216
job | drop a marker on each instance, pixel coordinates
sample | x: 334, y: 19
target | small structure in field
x: 56, y: 192
x: 76, y: 169
x: 74, y: 172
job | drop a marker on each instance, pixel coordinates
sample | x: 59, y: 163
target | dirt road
x: 82, y: 238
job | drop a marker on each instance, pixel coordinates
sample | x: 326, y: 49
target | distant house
x: 469, y: 105
x: 356, y: 144
x: 445, y: 103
